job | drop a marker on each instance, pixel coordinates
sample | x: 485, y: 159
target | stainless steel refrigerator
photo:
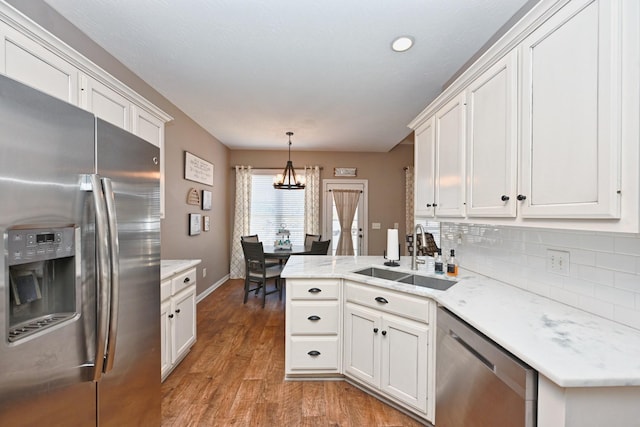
x: 80, y: 269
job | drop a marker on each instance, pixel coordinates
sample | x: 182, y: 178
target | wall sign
x: 197, y: 169
x: 344, y: 171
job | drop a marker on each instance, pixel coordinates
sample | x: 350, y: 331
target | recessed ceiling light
x: 402, y: 43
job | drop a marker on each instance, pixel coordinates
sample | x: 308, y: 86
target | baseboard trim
x: 211, y: 288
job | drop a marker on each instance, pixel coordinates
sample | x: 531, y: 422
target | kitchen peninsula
x: 589, y: 373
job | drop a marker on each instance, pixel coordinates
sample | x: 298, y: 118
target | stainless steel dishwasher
x: 478, y: 383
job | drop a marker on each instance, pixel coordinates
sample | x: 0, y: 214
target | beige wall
x: 384, y: 172
x: 181, y: 134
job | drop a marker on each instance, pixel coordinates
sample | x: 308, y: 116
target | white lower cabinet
x: 177, y: 319
x: 386, y: 351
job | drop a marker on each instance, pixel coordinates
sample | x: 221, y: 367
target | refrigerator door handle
x: 114, y: 261
x: 103, y: 274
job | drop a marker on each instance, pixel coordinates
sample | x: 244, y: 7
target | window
x: 270, y: 208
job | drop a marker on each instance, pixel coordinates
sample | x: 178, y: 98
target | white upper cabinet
x: 450, y: 163
x: 425, y: 169
x: 570, y: 114
x: 105, y: 103
x: 492, y: 140
x: 28, y: 62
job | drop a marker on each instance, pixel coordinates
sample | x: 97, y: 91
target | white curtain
x: 312, y: 200
x: 241, y: 220
x: 408, y: 200
x: 346, y: 204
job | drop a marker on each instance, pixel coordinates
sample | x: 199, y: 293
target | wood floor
x: 234, y: 375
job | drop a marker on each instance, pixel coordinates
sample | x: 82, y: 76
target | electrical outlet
x: 558, y: 261
x: 204, y: 272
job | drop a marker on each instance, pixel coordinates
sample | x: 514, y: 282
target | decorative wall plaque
x: 206, y: 200
x: 344, y: 171
x: 193, y: 197
x: 207, y: 223
x: 197, y: 169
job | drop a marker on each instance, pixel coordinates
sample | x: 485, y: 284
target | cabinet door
x: 165, y: 338
x: 404, y: 361
x: 106, y: 103
x: 450, y: 149
x: 570, y: 114
x: 361, y: 344
x: 184, y: 322
x: 492, y: 141
x: 28, y: 62
x: 424, y: 169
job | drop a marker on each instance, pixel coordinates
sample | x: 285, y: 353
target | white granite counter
x: 570, y: 347
x: 169, y: 267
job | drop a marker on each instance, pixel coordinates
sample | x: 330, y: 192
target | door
x: 362, y: 344
x: 492, y: 140
x: 425, y: 169
x: 133, y: 166
x: 450, y: 166
x: 571, y: 114
x: 46, y: 151
x: 331, y: 223
x: 404, y: 361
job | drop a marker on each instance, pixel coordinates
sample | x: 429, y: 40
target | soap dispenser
x: 452, y: 265
x: 439, y: 264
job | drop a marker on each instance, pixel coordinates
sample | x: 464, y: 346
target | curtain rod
x: 274, y: 168
x: 341, y: 190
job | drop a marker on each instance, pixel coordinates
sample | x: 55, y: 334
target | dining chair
x: 270, y: 262
x: 308, y: 238
x: 320, y: 248
x: 258, y: 273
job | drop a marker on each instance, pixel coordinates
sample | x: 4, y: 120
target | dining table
x: 271, y: 251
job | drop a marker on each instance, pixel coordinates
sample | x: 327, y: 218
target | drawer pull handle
x: 313, y: 318
x: 186, y: 280
x: 315, y: 290
x: 314, y: 353
x: 382, y: 300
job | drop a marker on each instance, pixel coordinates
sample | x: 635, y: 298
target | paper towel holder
x: 392, y: 262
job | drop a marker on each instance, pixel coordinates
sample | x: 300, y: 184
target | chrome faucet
x: 414, y: 255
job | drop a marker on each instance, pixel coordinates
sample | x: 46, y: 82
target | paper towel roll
x: 392, y: 244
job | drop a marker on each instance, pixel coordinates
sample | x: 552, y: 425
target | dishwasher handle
x: 473, y: 351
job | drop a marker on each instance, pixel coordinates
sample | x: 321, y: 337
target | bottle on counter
x: 452, y: 265
x: 438, y: 263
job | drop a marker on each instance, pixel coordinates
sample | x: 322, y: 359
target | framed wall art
x: 194, y: 224
x: 206, y: 200
x: 207, y: 223
x: 197, y: 169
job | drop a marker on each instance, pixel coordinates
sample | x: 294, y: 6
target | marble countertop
x: 570, y: 347
x: 169, y: 267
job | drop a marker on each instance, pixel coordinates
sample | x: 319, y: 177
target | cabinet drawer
x: 314, y: 289
x: 180, y: 282
x: 314, y: 317
x: 412, y: 307
x: 318, y: 353
x: 165, y: 290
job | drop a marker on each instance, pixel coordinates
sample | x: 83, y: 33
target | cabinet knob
x: 186, y: 280
x: 177, y: 310
x: 313, y: 318
x: 314, y: 353
x: 521, y: 197
x: 171, y: 316
x: 315, y: 290
x: 382, y: 300
x: 504, y: 198
x: 375, y: 330
x: 429, y: 205
x: 435, y: 205
x: 384, y: 332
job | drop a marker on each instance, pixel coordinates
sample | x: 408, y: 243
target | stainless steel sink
x: 411, y: 279
x: 381, y: 273
x: 428, y: 282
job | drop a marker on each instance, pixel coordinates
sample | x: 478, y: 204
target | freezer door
x: 46, y: 151
x: 130, y: 387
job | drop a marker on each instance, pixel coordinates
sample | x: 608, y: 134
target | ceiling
x: 248, y: 71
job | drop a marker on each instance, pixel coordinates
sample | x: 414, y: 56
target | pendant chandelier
x: 287, y: 180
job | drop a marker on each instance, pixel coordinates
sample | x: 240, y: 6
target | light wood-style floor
x: 234, y: 375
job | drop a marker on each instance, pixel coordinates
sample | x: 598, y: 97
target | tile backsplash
x: 603, y: 277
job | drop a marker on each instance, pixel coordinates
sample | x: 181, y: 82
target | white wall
x: 604, y: 273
